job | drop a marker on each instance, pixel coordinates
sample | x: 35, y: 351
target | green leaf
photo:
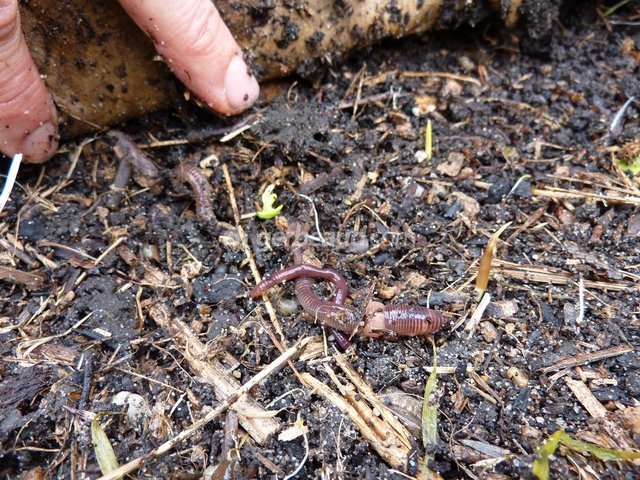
x: 102, y: 446
x: 268, y: 200
x: 604, y: 454
x: 548, y: 448
x: 430, y: 416
x: 430, y: 409
x: 633, y: 167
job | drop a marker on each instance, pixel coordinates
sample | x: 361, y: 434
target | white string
x: 10, y: 180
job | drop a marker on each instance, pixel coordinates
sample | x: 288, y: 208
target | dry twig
x: 209, y: 417
x: 251, y: 260
x: 584, y: 358
x: 252, y: 416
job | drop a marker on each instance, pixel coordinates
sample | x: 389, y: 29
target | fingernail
x: 241, y: 86
x: 41, y: 144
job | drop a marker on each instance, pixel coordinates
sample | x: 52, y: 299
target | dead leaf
x: 470, y: 206
x: 453, y: 165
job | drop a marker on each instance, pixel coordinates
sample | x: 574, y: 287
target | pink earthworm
x: 401, y: 320
x: 379, y: 320
x: 334, y: 314
x: 304, y: 270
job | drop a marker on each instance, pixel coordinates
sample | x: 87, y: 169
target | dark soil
x: 408, y: 228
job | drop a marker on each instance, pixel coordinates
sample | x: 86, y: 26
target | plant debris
x: 147, y: 299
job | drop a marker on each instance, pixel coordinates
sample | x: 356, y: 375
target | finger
x: 27, y: 115
x: 199, y: 49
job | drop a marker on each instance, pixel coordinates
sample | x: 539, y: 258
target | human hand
x: 190, y: 35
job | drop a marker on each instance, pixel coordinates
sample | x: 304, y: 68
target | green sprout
x: 268, y: 200
x: 430, y: 417
x: 632, y: 166
x: 548, y: 448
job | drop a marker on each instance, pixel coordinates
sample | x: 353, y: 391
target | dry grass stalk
x: 585, y: 358
x: 565, y: 194
x: 234, y: 397
x: 252, y: 416
x: 392, y: 448
x: 369, y: 395
x: 547, y: 274
x: 451, y: 76
x: 250, y: 258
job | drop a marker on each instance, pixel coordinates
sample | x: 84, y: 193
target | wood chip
x: 29, y: 280
x: 586, y: 398
x: 453, y: 165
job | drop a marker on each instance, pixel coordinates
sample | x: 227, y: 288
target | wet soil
x: 518, y: 137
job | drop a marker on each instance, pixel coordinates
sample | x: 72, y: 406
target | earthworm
x: 379, y: 320
x: 401, y: 320
x: 304, y: 270
x: 202, y: 191
x: 334, y: 314
x: 338, y: 316
x: 301, y: 272
x: 131, y: 158
x: 342, y: 339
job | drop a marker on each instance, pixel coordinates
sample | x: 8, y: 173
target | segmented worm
x: 338, y: 316
x: 304, y: 270
x: 401, y: 320
x: 342, y: 339
x: 334, y: 314
x: 202, y: 191
x: 379, y: 319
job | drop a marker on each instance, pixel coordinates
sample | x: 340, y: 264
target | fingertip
x: 41, y: 144
x: 241, y: 87
x: 201, y: 51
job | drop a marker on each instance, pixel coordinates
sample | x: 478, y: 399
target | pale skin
x: 190, y: 36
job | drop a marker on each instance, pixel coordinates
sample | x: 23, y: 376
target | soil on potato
x: 518, y: 137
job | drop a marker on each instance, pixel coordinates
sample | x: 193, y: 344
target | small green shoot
x: 430, y: 417
x: 268, y: 200
x: 517, y: 184
x: 549, y: 447
x: 428, y: 142
x: 102, y: 446
x: 633, y: 166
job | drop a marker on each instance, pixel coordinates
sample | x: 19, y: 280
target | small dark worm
x: 202, y: 191
x: 146, y: 172
x: 401, y: 320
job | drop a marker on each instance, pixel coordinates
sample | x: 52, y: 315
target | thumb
x: 200, y: 50
x: 27, y: 113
